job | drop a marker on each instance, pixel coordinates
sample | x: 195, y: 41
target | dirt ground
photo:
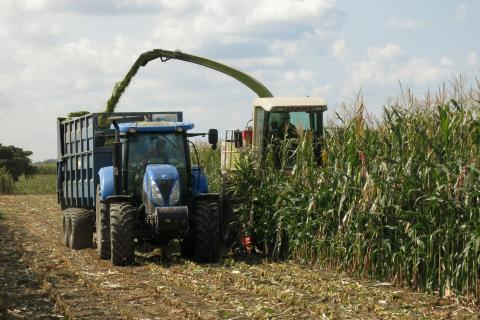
x: 41, y: 279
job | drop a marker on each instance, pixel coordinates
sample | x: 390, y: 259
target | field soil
x: 41, y: 279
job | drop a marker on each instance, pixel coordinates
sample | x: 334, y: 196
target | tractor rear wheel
x: 206, y: 237
x: 102, y: 227
x: 80, y: 228
x: 122, y: 239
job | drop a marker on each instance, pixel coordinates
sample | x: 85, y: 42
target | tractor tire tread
x: 102, y: 226
x: 206, y: 245
x: 81, y: 233
x: 122, y: 240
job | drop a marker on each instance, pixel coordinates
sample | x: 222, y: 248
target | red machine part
x: 247, y: 137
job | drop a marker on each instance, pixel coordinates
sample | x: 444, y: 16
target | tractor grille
x: 165, y: 186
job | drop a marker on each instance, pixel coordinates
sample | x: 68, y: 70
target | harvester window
x: 259, y: 123
x: 291, y: 123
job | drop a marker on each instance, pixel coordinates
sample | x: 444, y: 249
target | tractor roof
x: 280, y: 103
x: 155, y: 126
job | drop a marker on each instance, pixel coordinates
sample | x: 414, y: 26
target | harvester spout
x: 166, y: 55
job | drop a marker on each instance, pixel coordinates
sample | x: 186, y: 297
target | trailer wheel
x: 66, y: 223
x: 102, y: 227
x: 80, y: 228
x: 122, y: 225
x: 206, y: 237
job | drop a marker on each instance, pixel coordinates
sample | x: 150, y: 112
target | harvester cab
x: 275, y: 118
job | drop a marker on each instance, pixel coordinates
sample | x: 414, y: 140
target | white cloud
x: 461, y: 12
x: 94, y: 7
x: 388, y: 65
x: 288, y: 48
x: 420, y: 72
x: 286, y: 11
x: 322, y: 90
x: 298, y: 76
x: 446, y: 61
x: 339, y: 48
x: 472, y: 59
x: 405, y: 24
x: 388, y: 52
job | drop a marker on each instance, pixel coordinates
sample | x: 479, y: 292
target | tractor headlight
x: 175, y: 194
x: 156, y: 195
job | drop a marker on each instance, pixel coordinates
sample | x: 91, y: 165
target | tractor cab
x: 149, y: 144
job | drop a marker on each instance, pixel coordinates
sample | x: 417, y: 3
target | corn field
x: 396, y: 198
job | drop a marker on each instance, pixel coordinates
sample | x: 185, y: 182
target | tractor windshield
x: 154, y: 148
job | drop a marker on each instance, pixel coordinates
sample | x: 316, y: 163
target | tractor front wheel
x: 206, y: 237
x: 102, y: 226
x: 122, y: 239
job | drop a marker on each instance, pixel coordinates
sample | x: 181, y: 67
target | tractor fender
x: 206, y: 196
x: 119, y: 198
x: 106, y: 181
x: 199, y: 181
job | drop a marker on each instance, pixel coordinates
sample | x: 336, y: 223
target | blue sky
x: 62, y: 56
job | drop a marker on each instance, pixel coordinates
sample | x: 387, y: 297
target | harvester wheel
x: 80, y: 228
x: 66, y: 223
x: 206, y: 237
x: 122, y: 239
x: 102, y: 227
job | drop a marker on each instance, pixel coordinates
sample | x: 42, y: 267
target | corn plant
x: 209, y: 160
x: 397, y: 197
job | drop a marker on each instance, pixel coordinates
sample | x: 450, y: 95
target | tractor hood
x: 161, y: 184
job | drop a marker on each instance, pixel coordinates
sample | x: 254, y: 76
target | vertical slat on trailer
x: 78, y: 138
x: 75, y: 165
x: 84, y: 161
x: 65, y: 175
x: 70, y: 165
x: 80, y: 150
x: 90, y: 159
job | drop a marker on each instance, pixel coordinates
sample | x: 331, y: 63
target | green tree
x: 16, y: 161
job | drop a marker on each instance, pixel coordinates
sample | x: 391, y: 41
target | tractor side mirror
x: 213, y: 138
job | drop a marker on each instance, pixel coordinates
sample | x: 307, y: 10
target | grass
x: 37, y: 184
x: 42, y: 182
x: 6, y: 182
x: 46, y: 168
x: 397, y: 198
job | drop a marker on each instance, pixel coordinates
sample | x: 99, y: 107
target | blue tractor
x: 133, y: 181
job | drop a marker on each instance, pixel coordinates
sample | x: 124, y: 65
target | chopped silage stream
x: 164, y: 286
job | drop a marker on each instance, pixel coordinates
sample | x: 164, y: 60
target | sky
x: 59, y: 56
